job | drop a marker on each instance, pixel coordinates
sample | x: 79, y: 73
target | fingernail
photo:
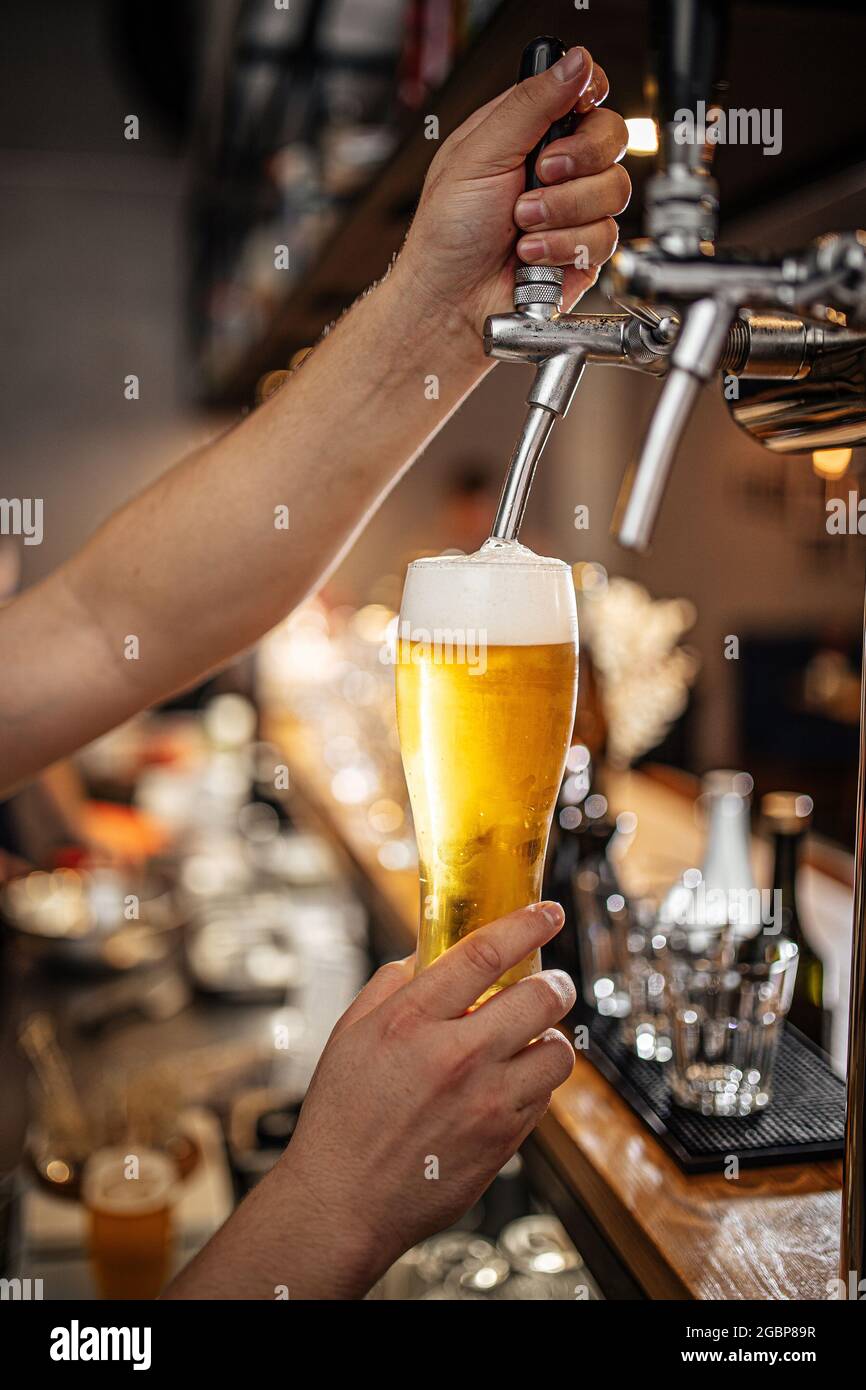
x: 562, y: 981
x: 570, y: 65
x: 588, y: 98
x: 530, y: 212
x: 558, y: 166
x: 532, y: 248
x: 554, y: 914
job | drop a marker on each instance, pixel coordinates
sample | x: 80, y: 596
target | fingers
x: 525, y: 113
x: 520, y: 1013
x: 574, y: 203
x: 570, y: 220
x: 536, y: 1071
x: 386, y: 981
x: 582, y: 247
x: 451, y: 985
x: 599, y: 141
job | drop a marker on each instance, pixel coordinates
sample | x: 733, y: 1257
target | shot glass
x: 727, y: 1005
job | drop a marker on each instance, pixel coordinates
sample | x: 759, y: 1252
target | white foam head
x: 107, y: 1187
x: 504, y: 591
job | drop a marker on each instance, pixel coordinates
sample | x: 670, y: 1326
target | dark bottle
x: 787, y: 816
x: 580, y: 875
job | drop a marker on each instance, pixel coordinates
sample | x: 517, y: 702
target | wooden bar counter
x: 771, y: 1233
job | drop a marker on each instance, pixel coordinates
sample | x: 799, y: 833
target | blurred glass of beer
x: 130, y: 1220
x: 486, y: 687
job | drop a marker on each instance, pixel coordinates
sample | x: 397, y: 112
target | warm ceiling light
x: 831, y: 463
x: 643, y: 135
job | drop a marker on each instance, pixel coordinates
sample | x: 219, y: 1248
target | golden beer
x: 486, y: 688
x: 130, y: 1219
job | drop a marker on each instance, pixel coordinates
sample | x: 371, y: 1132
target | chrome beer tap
x: 683, y: 205
x: 717, y: 294
x: 717, y: 297
x: 559, y: 345
x: 537, y: 302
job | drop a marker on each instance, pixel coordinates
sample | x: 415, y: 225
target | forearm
x: 281, y: 1243
x: 201, y: 565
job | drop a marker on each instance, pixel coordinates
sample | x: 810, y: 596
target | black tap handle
x: 689, y: 41
x: 538, y: 56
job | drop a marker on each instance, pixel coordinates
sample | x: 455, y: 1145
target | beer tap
x: 716, y: 294
x: 683, y: 204
x: 559, y: 345
x: 537, y: 302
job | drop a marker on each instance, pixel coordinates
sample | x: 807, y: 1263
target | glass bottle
x: 787, y: 816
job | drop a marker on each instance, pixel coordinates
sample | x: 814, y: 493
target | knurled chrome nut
x: 538, y: 274
x: 537, y: 294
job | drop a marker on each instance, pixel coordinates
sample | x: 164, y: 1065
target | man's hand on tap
x: 460, y: 257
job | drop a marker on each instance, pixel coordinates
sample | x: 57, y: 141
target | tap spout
x: 702, y: 339
x: 550, y: 396
x: 521, y: 471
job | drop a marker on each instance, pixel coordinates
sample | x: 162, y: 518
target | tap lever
x: 644, y: 313
x: 539, y: 55
x: 541, y: 284
x: 537, y: 302
x: 681, y: 198
x: 688, y: 39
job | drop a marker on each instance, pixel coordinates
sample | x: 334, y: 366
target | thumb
x: 386, y: 981
x: 519, y: 120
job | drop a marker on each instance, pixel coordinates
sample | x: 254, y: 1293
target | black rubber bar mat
x: 805, y: 1119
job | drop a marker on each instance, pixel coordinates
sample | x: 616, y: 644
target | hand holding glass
x: 486, y: 688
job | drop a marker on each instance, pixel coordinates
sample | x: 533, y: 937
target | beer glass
x: 486, y: 688
x: 130, y: 1220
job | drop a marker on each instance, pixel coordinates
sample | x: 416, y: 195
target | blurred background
x: 197, y: 897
